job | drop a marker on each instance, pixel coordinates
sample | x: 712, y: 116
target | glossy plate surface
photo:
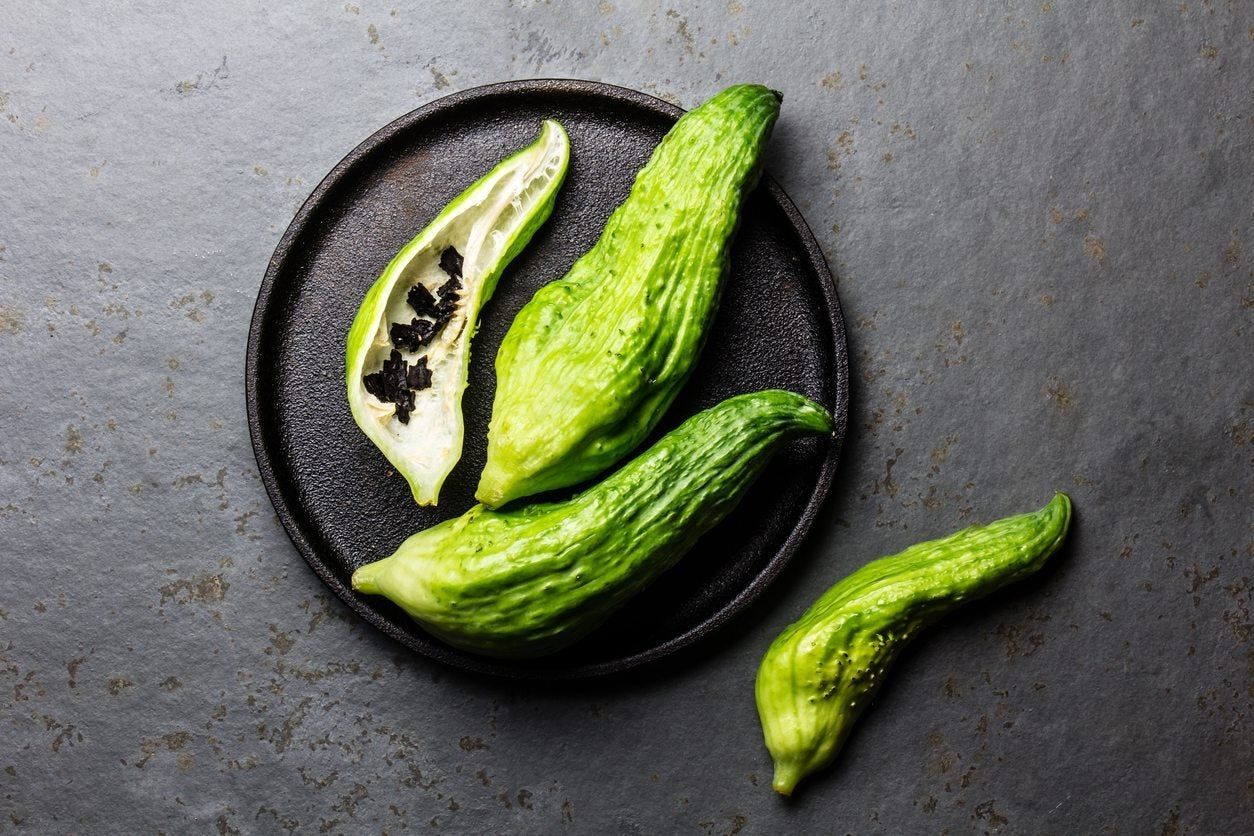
x: 779, y: 325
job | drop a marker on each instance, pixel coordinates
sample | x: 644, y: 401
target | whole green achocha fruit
x: 592, y: 362
x: 821, y: 672
x: 528, y: 581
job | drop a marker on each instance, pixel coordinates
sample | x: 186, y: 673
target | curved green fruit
x: 823, y: 670
x: 529, y: 581
x: 591, y: 363
x: 418, y: 424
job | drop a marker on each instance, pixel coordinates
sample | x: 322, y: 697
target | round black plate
x: 779, y: 325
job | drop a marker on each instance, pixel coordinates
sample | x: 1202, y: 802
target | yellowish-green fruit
x: 592, y: 362
x: 821, y: 672
x: 531, y: 580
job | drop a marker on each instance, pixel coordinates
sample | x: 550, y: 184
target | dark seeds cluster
x: 434, y: 312
x: 397, y: 381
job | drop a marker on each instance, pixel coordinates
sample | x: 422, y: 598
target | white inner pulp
x: 480, y: 228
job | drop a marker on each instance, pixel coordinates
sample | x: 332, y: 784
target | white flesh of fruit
x: 480, y: 225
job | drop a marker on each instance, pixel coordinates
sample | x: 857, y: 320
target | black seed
x: 412, y: 336
x: 448, y: 300
x: 419, y: 377
x: 395, y: 371
x: 404, y: 406
x: 439, y: 324
x: 449, y: 289
x: 374, y: 384
x: 451, y: 262
x: 421, y: 300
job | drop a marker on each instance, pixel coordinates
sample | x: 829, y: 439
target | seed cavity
x: 397, y: 381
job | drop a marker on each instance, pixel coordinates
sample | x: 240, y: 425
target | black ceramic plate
x: 779, y: 325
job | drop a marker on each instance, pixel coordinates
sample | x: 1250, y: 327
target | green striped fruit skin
x: 821, y: 672
x: 527, y: 581
x: 592, y: 362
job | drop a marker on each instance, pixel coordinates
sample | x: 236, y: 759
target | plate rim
x: 431, y: 647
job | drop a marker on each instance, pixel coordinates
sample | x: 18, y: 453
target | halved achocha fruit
x: 409, y: 345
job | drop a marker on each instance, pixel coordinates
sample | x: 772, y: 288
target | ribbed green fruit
x: 821, y: 672
x: 532, y: 580
x: 592, y: 362
x: 486, y: 226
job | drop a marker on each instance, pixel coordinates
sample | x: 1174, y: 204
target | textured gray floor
x: 1041, y: 218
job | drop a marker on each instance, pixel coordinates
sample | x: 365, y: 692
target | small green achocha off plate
x: 779, y: 325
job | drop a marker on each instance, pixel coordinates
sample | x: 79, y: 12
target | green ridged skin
x: 489, y: 224
x: 529, y: 581
x: 821, y: 672
x: 592, y: 362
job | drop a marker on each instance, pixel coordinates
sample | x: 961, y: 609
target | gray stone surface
x: 1041, y: 218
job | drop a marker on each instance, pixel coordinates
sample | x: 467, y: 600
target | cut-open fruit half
x: 409, y: 346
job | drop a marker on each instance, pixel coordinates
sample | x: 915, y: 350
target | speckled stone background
x: 1040, y: 214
